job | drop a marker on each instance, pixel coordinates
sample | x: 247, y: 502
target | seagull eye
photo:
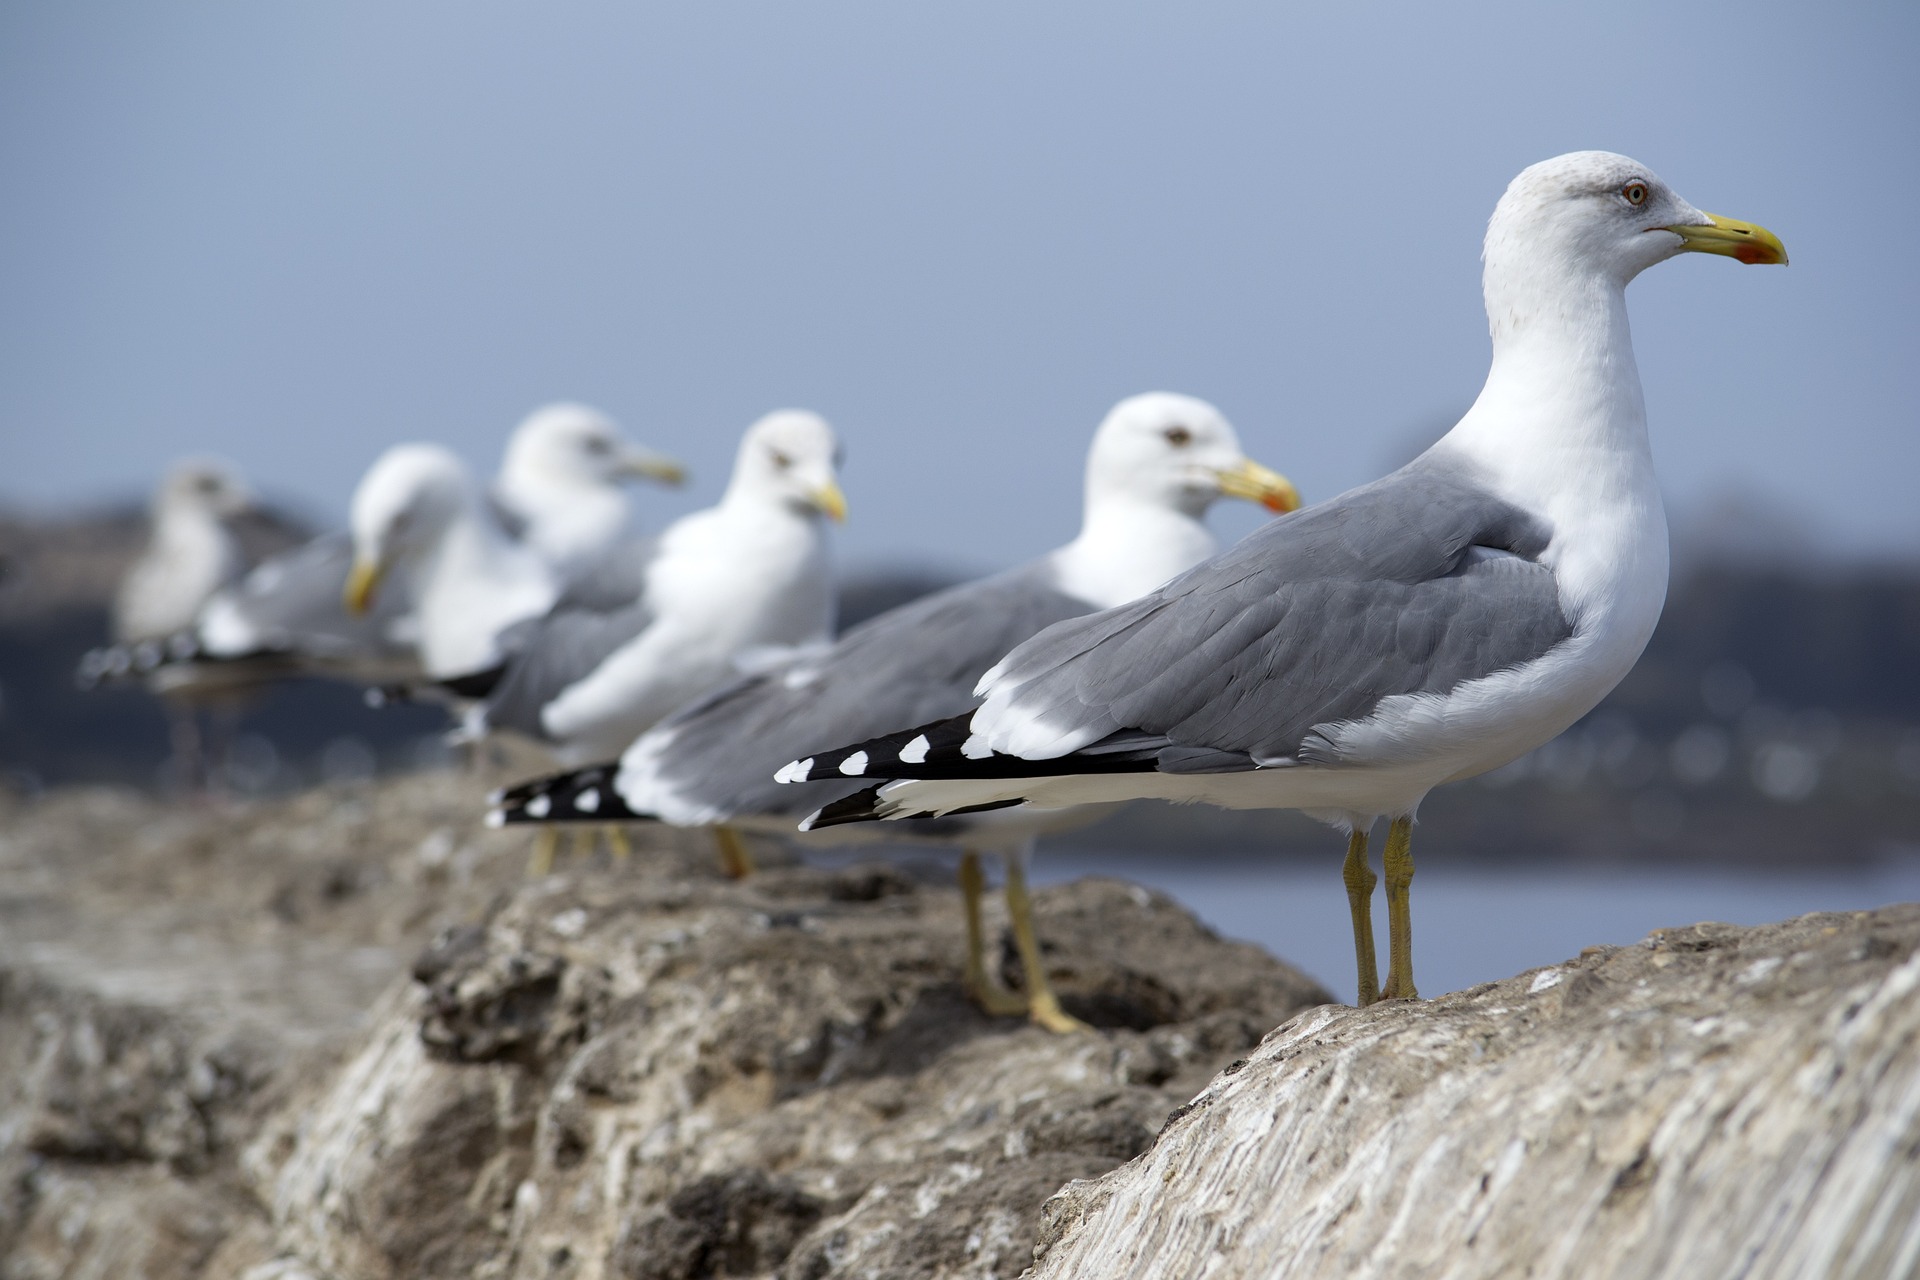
x: 595, y: 444
x: 1179, y: 437
x: 1634, y: 193
x: 781, y: 461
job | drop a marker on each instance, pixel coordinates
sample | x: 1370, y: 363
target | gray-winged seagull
x: 558, y: 493
x: 1421, y: 629
x: 1156, y: 464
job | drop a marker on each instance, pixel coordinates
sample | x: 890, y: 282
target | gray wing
x: 291, y: 604
x: 601, y: 612
x: 914, y: 663
x: 612, y: 580
x: 1414, y: 584
x: 511, y: 521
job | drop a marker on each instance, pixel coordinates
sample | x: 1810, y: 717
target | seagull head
x: 206, y: 485
x: 791, y: 457
x: 1594, y: 213
x: 1179, y: 452
x: 401, y: 508
x: 577, y: 445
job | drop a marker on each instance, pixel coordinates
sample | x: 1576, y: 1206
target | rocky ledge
x: 1714, y: 1102
x: 340, y: 1036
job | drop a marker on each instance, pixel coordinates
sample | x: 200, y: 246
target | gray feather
x: 912, y: 664
x: 1416, y: 583
x: 292, y: 602
x: 602, y: 610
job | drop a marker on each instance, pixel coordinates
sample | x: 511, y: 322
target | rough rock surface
x: 339, y: 1036
x: 1714, y: 1102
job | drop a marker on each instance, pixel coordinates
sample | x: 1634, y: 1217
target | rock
x: 1716, y: 1101
x: 339, y: 1036
x: 671, y: 1076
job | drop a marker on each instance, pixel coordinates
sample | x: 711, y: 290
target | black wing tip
x: 131, y: 659
x: 908, y: 753
x: 474, y: 684
x: 580, y: 795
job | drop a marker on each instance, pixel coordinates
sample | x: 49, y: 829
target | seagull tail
x: 135, y: 659
x: 580, y: 795
x: 181, y: 660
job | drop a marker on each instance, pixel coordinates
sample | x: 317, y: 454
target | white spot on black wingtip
x: 539, y: 807
x: 806, y: 823
x: 854, y: 765
x: 496, y: 817
x: 795, y: 771
x: 588, y: 801
x: 975, y: 747
x: 915, y: 752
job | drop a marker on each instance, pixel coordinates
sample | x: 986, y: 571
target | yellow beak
x: 1753, y: 245
x: 361, y: 583
x: 657, y: 467
x: 1260, y: 484
x: 830, y: 502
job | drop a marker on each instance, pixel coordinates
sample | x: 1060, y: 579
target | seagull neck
x: 1127, y: 547
x: 189, y: 525
x: 1562, y: 405
x: 750, y: 502
x: 1560, y: 430
x: 568, y: 520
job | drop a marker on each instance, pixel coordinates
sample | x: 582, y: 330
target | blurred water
x: 1478, y: 923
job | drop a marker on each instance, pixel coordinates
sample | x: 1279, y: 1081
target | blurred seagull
x: 734, y: 587
x: 558, y: 494
x: 560, y: 484
x: 191, y: 553
x: 418, y: 513
x: 1156, y: 464
x: 1421, y: 629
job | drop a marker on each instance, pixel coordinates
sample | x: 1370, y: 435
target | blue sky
x: 290, y: 234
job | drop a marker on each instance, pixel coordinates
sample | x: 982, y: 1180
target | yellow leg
x: 1043, y: 1007
x: 1360, y: 881
x: 735, y: 862
x: 540, y: 861
x: 618, y: 845
x: 1399, y: 869
x: 580, y: 842
x: 980, y: 984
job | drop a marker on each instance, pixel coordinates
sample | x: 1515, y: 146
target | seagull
x: 418, y: 511
x: 1425, y: 628
x: 1156, y: 464
x: 191, y: 553
x: 739, y: 584
x: 558, y: 493
x: 560, y: 484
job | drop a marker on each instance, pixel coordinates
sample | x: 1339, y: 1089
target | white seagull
x: 190, y: 552
x: 738, y: 583
x: 1421, y: 629
x: 560, y: 484
x: 418, y: 513
x: 1156, y: 464
x: 558, y: 493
